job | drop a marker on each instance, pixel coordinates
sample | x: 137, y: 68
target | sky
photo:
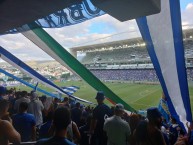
x: 84, y: 34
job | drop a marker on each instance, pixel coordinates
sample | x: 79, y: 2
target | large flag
x: 76, y: 13
x: 164, y: 40
x: 44, y: 41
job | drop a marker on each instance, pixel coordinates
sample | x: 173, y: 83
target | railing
x: 25, y: 143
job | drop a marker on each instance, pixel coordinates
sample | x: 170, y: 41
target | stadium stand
x: 133, y: 75
x: 115, y: 55
x: 124, y: 53
x: 127, y: 60
x: 127, y: 75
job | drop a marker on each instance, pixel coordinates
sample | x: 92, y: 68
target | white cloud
x: 81, y: 34
x: 187, y: 14
x: 22, y: 48
x: 189, y: 6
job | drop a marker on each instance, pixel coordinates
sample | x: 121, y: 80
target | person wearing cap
x: 2, y: 92
x: 100, y: 112
x: 36, y: 107
x: 118, y: 130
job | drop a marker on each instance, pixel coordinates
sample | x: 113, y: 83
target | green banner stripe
x: 75, y: 65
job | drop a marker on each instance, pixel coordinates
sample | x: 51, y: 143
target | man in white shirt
x: 36, y: 107
x: 118, y: 130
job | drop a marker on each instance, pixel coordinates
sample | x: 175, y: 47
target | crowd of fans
x: 127, y: 75
x: 132, y: 74
x: 25, y: 117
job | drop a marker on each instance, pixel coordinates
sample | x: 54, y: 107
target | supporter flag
x: 36, y: 86
x: 163, y: 108
x: 164, y: 40
x: 70, y: 90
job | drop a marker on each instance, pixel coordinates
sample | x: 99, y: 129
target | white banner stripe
x: 160, y: 25
x: 37, y: 41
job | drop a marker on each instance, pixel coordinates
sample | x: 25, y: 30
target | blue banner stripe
x: 22, y: 65
x: 28, y: 69
x: 26, y: 83
x: 144, y: 29
x: 180, y: 57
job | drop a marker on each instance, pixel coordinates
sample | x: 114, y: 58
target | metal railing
x: 25, y: 143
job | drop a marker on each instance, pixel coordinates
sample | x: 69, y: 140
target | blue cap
x: 153, y: 113
x: 2, y: 90
x: 100, y: 95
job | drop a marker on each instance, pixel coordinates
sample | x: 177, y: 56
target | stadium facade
x: 128, y: 59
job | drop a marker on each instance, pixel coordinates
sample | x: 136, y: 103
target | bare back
x: 3, y: 138
x: 8, y: 133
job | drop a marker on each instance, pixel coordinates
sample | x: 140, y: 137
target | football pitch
x: 139, y: 96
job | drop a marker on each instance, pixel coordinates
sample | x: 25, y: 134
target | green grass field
x: 139, y: 96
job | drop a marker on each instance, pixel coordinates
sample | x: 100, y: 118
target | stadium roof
x: 113, y: 43
x: 188, y: 34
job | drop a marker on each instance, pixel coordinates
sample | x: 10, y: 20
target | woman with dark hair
x: 141, y: 135
x: 134, y: 120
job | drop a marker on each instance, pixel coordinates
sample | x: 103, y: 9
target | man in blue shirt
x: 100, y: 113
x: 2, y: 92
x: 61, y: 120
x: 25, y: 123
x: 44, y: 129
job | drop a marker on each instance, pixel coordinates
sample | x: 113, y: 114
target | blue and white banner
x: 163, y: 36
x: 27, y: 84
x: 74, y: 14
x: 14, y: 61
x: 71, y: 90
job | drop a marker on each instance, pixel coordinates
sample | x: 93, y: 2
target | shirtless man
x: 7, y: 131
